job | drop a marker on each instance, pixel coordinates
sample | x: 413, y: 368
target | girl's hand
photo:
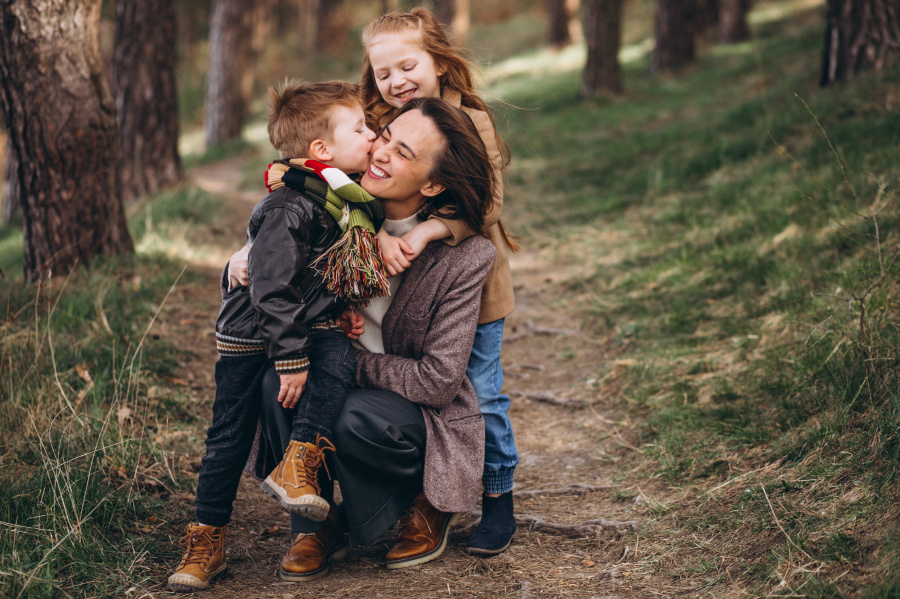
x: 394, y: 251
x: 237, y: 268
x: 352, y: 323
x: 292, y: 386
x: 423, y: 234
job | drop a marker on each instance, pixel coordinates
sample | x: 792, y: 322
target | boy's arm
x: 277, y: 265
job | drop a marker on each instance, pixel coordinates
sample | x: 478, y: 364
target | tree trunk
x: 706, y: 15
x: 230, y: 31
x: 859, y: 35
x: 12, y: 202
x: 557, y: 23
x: 733, y: 25
x: 674, y: 34
x: 146, y: 98
x: 573, y: 8
x: 454, y: 15
x: 62, y: 127
x: 602, y: 34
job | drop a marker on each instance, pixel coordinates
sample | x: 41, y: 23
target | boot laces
x: 201, y: 546
x: 308, y: 462
x: 410, y: 515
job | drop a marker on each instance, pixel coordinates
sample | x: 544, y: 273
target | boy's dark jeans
x: 236, y: 414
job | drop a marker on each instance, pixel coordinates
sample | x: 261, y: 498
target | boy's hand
x: 394, y: 253
x: 352, y: 323
x: 237, y: 268
x: 292, y: 386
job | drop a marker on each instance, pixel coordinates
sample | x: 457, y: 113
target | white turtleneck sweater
x: 371, y: 340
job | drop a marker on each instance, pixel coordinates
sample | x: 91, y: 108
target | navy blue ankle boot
x: 497, y: 528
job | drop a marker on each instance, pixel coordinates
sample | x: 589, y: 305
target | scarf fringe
x: 353, y: 269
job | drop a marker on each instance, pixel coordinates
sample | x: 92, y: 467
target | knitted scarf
x: 353, y: 270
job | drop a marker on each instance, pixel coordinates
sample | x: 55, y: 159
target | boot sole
x: 185, y: 583
x: 336, y: 555
x: 426, y: 557
x: 309, y: 506
x: 491, y: 552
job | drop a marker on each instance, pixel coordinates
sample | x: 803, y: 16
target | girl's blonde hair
x: 423, y: 28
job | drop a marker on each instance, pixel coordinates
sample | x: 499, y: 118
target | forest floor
x: 544, y: 356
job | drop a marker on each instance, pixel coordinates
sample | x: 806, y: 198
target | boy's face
x: 351, y: 140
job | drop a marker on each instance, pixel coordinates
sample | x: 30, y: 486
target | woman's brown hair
x: 423, y: 28
x: 462, y: 166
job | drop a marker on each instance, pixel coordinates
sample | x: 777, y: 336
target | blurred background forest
x: 707, y: 195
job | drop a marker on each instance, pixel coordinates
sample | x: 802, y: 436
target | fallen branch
x: 550, y: 398
x: 530, y: 330
x: 579, y: 529
x: 572, y: 489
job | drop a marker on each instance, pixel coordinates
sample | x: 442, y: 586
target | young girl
x: 409, y: 56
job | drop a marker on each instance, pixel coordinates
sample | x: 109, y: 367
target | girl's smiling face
x: 403, y: 70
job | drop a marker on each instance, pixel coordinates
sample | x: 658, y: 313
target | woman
x: 412, y: 438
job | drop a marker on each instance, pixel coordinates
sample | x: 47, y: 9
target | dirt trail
x: 558, y: 446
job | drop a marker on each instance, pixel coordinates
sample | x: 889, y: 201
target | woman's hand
x: 394, y: 251
x: 352, y: 323
x: 237, y: 268
x: 292, y: 386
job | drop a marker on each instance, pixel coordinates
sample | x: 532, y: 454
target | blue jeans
x: 486, y: 374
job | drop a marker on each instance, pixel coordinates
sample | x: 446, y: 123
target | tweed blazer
x: 428, y: 333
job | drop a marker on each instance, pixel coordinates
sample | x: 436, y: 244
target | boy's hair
x: 300, y: 113
x: 424, y: 29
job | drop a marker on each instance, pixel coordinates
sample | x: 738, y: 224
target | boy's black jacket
x: 287, y: 231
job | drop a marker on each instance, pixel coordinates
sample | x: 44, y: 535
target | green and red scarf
x: 353, y: 270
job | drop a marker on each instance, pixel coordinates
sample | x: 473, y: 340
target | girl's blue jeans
x: 486, y: 374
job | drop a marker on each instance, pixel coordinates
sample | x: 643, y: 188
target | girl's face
x: 402, y: 160
x: 403, y: 70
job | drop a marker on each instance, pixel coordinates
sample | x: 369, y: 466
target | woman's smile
x: 377, y: 173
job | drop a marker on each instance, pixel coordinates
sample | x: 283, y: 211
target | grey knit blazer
x: 428, y: 333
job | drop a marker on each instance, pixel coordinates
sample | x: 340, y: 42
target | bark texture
x: 143, y: 76
x: 61, y: 123
x: 859, y: 35
x: 733, y: 26
x: 674, y: 30
x: 602, y: 34
x: 12, y: 202
x: 558, y: 34
x: 230, y: 32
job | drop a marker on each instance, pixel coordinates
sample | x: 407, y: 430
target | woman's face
x: 403, y: 70
x: 402, y: 160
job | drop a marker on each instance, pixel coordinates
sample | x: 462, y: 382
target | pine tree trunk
x: 230, y: 32
x: 602, y: 34
x: 573, y: 8
x: 859, y: 35
x: 62, y: 126
x: 557, y: 23
x: 674, y: 31
x: 12, y: 202
x: 733, y: 21
x: 146, y: 98
x: 454, y: 15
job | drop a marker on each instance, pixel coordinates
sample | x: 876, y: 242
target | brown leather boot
x: 203, y: 560
x: 295, y: 481
x: 311, y: 553
x: 423, y: 535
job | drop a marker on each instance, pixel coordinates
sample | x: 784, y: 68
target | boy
x: 285, y: 317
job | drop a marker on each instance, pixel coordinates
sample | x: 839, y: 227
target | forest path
x: 559, y: 445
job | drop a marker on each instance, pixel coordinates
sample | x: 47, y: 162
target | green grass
x: 85, y: 421
x: 730, y: 205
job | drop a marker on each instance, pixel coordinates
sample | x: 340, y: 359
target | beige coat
x: 497, y: 297
x: 428, y: 333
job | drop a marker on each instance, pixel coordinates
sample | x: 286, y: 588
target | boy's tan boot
x: 309, y: 556
x: 203, y: 560
x: 295, y: 481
